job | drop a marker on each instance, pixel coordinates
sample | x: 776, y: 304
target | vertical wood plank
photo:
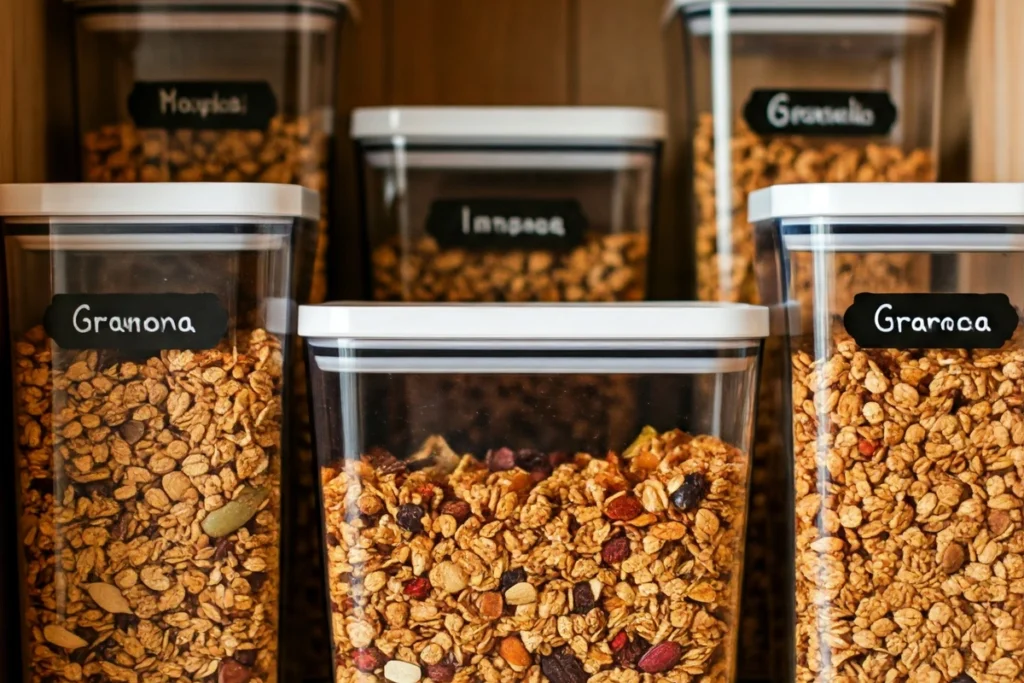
x: 7, y: 124
x: 30, y: 90
x: 471, y: 52
x: 620, y: 53
x: 955, y: 133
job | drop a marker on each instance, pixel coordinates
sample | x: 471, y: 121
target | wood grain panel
x: 7, y: 124
x: 620, y: 53
x: 30, y: 90
x: 480, y: 52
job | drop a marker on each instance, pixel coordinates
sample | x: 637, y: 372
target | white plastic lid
x: 557, y: 126
x: 959, y: 201
x: 814, y: 17
x: 691, y: 321
x: 215, y: 15
x: 768, y: 6
x: 150, y: 201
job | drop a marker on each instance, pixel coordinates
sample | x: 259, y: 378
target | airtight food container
x: 492, y: 204
x: 150, y: 332
x: 192, y: 91
x: 906, y: 438
x: 523, y: 542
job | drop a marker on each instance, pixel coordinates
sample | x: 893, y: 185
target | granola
x: 529, y: 566
x: 909, y: 484
x: 150, y: 511
x: 611, y: 267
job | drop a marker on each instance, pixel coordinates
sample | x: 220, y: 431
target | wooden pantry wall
x: 448, y: 52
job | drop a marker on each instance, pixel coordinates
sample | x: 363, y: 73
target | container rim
x: 214, y: 5
x: 887, y: 200
x: 678, y: 321
x: 769, y: 6
x: 557, y: 126
x: 318, y: 16
x: 158, y: 200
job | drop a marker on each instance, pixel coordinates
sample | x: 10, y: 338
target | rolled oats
x: 559, y: 570
x: 909, y: 477
x: 610, y: 267
x: 140, y: 564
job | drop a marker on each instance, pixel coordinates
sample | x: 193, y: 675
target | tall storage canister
x: 151, y: 329
x: 799, y: 91
x: 907, y: 434
x: 221, y: 91
x: 534, y: 557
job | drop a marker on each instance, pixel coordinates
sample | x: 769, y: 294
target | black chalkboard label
x: 199, y: 105
x: 136, y: 322
x: 931, y: 321
x: 835, y: 113
x: 534, y: 224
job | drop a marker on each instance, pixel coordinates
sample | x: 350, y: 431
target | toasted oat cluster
x: 909, y: 515
x: 610, y: 267
x: 150, y: 512
x: 537, y: 567
x: 760, y: 162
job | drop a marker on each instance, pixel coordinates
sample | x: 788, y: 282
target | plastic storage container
x: 191, y: 90
x: 150, y: 335
x: 531, y: 558
x: 906, y: 429
x: 799, y: 91
x: 509, y: 204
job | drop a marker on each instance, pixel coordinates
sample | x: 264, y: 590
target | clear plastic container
x: 150, y: 328
x: 509, y: 204
x: 198, y: 91
x: 799, y: 91
x: 907, y: 436
x: 531, y: 553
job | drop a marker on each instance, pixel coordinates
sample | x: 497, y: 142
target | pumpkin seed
x: 109, y: 598
x: 235, y: 513
x: 61, y: 637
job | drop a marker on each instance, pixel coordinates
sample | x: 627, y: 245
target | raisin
x: 630, y: 653
x: 963, y: 678
x: 512, y: 577
x: 688, y: 496
x: 459, y: 509
x: 561, y: 666
x: 501, y: 460
x: 410, y: 518
x: 441, y: 673
x: 583, y: 598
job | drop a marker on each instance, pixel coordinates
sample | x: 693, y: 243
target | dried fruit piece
x: 132, y: 431
x: 61, y: 637
x: 692, y: 491
x: 398, y: 671
x: 521, y: 594
x: 441, y: 673
x: 449, y: 577
x: 582, y: 598
x: 514, y: 652
x: 630, y: 653
x: 561, y: 666
x: 109, y: 598
x: 512, y: 577
x: 623, y: 508
x: 491, y: 605
x: 368, y: 659
x: 615, y: 550
x: 619, y: 641
x: 867, y: 447
x: 501, y: 459
x: 418, y: 588
x: 410, y: 518
x: 661, y: 658
x: 233, y: 672
x: 459, y: 509
x: 963, y: 678
x: 233, y: 515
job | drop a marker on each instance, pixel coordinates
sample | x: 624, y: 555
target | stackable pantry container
x: 798, y: 91
x: 150, y: 330
x: 508, y: 204
x: 907, y: 434
x: 546, y: 558
x: 191, y: 90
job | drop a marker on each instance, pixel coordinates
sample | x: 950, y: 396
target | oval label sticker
x: 931, y: 321
x: 136, y: 322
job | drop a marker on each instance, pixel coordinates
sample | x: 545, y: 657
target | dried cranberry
x: 615, y: 550
x: 619, y: 641
x: 631, y: 652
x: 501, y: 460
x: 441, y: 673
x: 582, y: 598
x: 512, y: 577
x: 693, y: 490
x: 418, y: 588
x: 459, y: 509
x: 368, y: 659
x: 410, y: 518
